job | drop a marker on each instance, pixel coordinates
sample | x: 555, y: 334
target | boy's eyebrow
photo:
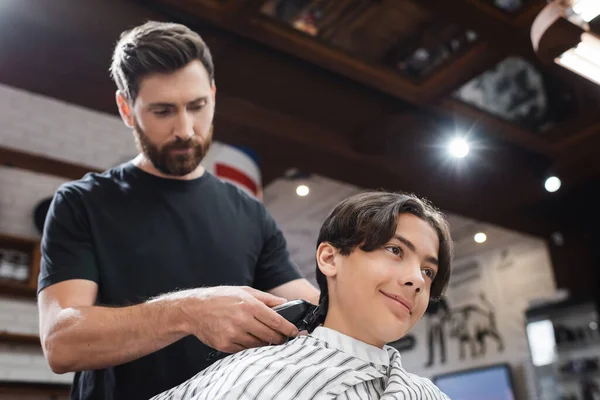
x: 412, y: 248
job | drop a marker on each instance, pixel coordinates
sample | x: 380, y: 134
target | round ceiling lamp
x: 562, y: 34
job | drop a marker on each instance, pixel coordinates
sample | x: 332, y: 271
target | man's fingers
x: 275, y: 321
x: 267, y: 298
x: 265, y: 333
x: 248, y: 341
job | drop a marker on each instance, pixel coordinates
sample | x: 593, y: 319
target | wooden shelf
x: 18, y: 243
x: 32, y: 388
x: 42, y: 164
x: 19, y: 338
x: 17, y: 289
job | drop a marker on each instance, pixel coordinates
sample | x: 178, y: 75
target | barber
x: 150, y: 266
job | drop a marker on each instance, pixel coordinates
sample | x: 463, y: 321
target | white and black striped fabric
x: 323, y: 365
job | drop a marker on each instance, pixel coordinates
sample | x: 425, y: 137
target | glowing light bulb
x: 302, y: 190
x: 459, y: 148
x: 480, y: 237
x: 552, y: 184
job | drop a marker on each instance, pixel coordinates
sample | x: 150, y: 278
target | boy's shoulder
x: 410, y: 380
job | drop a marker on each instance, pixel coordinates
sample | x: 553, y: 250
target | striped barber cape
x: 323, y: 365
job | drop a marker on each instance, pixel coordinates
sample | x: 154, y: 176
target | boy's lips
x: 400, y: 300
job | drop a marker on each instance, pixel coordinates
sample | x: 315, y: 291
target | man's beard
x: 167, y: 162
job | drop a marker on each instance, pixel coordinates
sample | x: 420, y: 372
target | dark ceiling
x: 363, y: 91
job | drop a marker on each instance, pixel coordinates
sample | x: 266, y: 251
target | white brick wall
x: 41, y: 125
x: 20, y: 192
x: 46, y: 126
x: 23, y: 362
x: 18, y: 316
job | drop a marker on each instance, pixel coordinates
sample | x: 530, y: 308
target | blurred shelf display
x: 19, y: 266
x: 564, y: 343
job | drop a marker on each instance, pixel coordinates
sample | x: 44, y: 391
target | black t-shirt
x: 138, y: 236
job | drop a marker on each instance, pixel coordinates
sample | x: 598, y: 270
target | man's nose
x: 184, y: 128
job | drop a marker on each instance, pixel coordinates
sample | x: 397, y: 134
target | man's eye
x: 395, y: 250
x: 161, y: 113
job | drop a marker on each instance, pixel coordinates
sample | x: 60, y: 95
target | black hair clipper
x: 304, y: 315
x: 301, y: 313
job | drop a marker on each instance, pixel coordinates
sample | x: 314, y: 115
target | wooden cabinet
x: 27, y: 287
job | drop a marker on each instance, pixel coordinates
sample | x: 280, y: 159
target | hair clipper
x: 301, y: 313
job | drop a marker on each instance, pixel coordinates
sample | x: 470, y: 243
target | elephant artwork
x: 438, y: 315
x: 470, y: 325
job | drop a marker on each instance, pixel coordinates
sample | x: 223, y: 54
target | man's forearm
x: 94, y: 337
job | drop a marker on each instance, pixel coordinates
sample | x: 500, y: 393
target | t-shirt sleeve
x: 274, y: 267
x: 67, y: 250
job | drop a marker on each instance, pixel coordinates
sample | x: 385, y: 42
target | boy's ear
x: 326, y: 259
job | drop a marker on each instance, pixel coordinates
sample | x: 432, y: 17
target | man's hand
x: 232, y: 318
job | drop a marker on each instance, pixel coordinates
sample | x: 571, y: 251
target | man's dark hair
x: 156, y: 47
x: 368, y: 220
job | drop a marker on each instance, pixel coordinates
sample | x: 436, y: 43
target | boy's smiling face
x: 378, y: 296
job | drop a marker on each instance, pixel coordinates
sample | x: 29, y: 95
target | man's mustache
x: 188, y: 144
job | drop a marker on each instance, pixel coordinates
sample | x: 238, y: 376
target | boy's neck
x: 337, y: 322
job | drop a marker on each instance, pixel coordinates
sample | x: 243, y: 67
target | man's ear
x: 326, y: 259
x: 213, y: 91
x: 124, y: 109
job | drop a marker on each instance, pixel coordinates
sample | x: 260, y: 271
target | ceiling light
x: 552, y: 184
x: 587, y: 9
x: 480, y: 237
x: 556, y: 39
x: 459, y: 148
x: 584, y: 59
x: 302, y: 190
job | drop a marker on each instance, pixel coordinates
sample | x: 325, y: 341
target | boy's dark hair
x: 369, y: 220
x: 156, y: 47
